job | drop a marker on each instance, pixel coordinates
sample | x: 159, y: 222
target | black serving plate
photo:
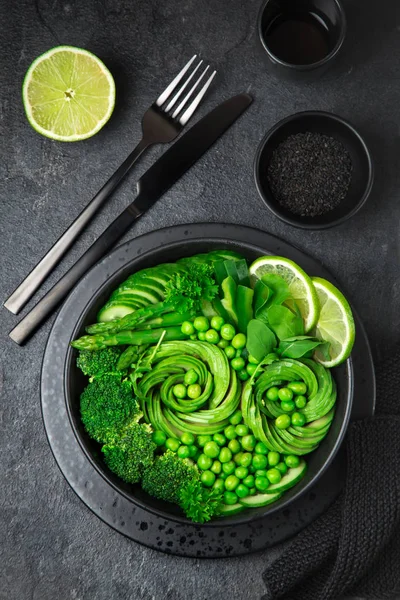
x: 137, y: 519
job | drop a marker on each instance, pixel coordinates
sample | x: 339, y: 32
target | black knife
x: 150, y: 187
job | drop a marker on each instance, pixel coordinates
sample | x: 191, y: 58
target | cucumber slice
x: 227, y: 510
x: 259, y: 500
x: 116, y: 311
x: 292, y: 477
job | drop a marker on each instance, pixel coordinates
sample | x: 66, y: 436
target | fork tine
x: 168, y: 90
x: 180, y: 92
x: 186, y: 98
x: 192, y: 107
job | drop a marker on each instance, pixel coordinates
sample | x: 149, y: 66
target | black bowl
x: 318, y: 462
x: 331, y: 125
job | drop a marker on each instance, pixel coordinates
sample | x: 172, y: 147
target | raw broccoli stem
x: 131, y: 338
x: 132, y: 320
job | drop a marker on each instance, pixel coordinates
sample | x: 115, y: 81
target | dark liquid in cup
x: 298, y: 39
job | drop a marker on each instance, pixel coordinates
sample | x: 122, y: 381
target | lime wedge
x: 335, y: 324
x: 300, y: 284
x: 68, y: 94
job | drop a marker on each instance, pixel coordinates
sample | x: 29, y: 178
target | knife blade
x: 151, y: 186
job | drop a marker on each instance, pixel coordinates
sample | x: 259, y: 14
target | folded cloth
x: 354, y: 548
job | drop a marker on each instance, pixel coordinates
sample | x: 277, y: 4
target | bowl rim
x: 159, y: 512
x: 312, y: 66
x: 293, y: 221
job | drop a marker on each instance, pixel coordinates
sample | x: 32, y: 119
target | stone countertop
x: 52, y: 545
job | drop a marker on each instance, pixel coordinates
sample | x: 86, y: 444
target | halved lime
x: 335, y: 324
x: 68, y: 94
x: 300, y: 284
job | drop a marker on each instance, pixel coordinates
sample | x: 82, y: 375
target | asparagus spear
x: 131, y: 338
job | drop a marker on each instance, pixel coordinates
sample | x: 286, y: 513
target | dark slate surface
x: 52, y: 546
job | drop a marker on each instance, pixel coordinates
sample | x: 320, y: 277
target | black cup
x: 284, y: 24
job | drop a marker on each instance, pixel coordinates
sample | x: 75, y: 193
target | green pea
x: 219, y: 485
x: 241, y: 472
x: 300, y: 401
x: 292, y: 461
x: 201, y: 324
x: 298, y: 419
x: 250, y: 368
x: 234, y: 446
x: 207, y: 478
x: 203, y: 439
x: 211, y: 449
x: 183, y: 452
x: 193, y: 452
x: 272, y: 394
x: 188, y: 438
x: 204, y: 462
x: 223, y: 344
x: 288, y: 405
x: 223, y: 476
x: 194, y: 337
x: 252, y: 469
x: 273, y: 458
x: 238, y: 457
x: 237, y: 364
x: 229, y: 467
x: 298, y: 387
x: 282, y: 468
x: 159, y: 437
x: 249, y: 481
x: 201, y: 336
x: 238, y: 353
x: 282, y: 422
x: 259, y: 461
x: 245, y: 460
x: 285, y: 394
x: 172, y: 444
x: 274, y: 475
x: 194, y: 391
x: 239, y: 341
x: 230, y: 497
x: 261, y: 448
x: 217, y: 323
x: 231, y: 483
x: 252, y: 360
x: 212, y: 336
x: 243, y: 375
x: 225, y: 455
x: 187, y: 328
x: 220, y: 439
x: 216, y: 467
x: 261, y: 483
x: 230, y: 432
x: 252, y: 491
x: 260, y: 473
x: 179, y: 390
x: 227, y: 332
x: 249, y: 442
x: 242, y: 491
x: 241, y: 429
x: 191, y: 377
x: 230, y: 352
x: 236, y: 418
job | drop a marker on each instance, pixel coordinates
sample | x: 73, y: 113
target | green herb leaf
x: 262, y: 294
x: 260, y: 339
x: 284, y: 323
x: 298, y: 347
x: 278, y: 286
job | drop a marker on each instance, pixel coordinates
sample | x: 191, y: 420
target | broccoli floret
x: 199, y: 503
x: 107, y: 406
x: 128, y: 454
x: 96, y: 363
x: 168, y: 475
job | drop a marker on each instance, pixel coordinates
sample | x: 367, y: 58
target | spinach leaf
x: 284, y: 323
x: 298, y: 347
x: 278, y: 286
x: 262, y: 294
x: 260, y: 339
x: 324, y: 350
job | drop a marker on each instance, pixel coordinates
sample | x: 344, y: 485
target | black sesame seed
x: 309, y: 174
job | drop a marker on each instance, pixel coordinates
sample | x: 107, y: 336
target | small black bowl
x: 331, y: 125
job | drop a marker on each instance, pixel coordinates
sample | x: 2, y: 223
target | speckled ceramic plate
x: 143, y: 524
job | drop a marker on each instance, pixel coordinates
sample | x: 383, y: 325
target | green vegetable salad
x: 208, y: 379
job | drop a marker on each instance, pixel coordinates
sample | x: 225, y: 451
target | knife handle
x: 59, y: 291
x: 32, y: 282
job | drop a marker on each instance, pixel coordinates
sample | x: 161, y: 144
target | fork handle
x: 32, y: 282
